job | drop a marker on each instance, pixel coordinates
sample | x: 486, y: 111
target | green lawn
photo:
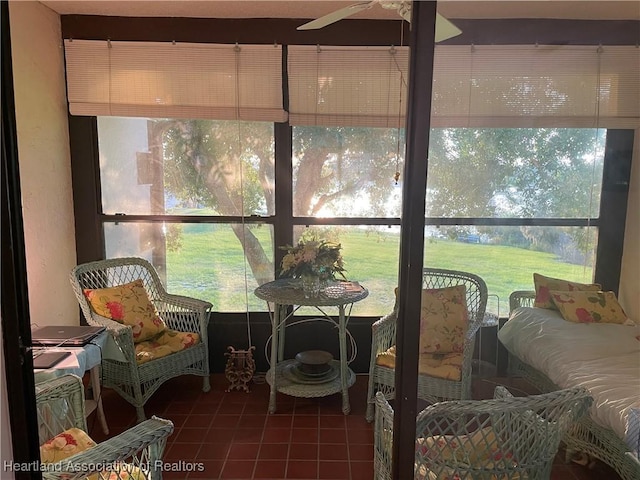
x: 210, y: 265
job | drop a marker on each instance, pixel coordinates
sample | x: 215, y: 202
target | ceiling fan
x: 444, y: 28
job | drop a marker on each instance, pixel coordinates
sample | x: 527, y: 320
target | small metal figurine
x: 240, y: 368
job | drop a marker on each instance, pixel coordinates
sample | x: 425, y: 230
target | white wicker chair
x: 432, y: 389
x: 585, y: 435
x: 60, y: 406
x: 120, y: 371
x: 506, y: 438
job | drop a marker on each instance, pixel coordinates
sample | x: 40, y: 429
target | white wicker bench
x: 586, y: 435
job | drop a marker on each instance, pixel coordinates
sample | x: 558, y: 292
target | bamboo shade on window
x: 334, y: 86
x: 182, y: 80
x: 536, y: 86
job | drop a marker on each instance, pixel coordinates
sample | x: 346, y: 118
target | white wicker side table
x: 285, y: 293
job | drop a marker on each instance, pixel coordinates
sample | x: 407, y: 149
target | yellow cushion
x: 478, y: 449
x: 165, y: 343
x: 73, y: 441
x: 544, y: 286
x: 443, y: 320
x: 447, y: 366
x: 64, y: 445
x: 589, y: 307
x: 127, y: 471
x: 128, y: 304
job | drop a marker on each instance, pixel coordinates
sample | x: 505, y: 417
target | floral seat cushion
x: 165, y: 343
x: 74, y: 441
x: 447, y: 365
x: 441, y: 454
x: 64, y: 445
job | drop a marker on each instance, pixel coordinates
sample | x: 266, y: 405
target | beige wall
x: 630, y: 277
x: 45, y: 167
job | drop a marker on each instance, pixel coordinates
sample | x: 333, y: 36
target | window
x: 189, y: 195
x: 505, y: 203
x: 516, y: 159
x: 346, y: 172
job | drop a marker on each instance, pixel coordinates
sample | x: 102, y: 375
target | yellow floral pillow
x: 64, y: 445
x: 443, y: 320
x: 74, y: 440
x: 128, y: 304
x: 589, y: 307
x: 477, y: 449
x: 544, y: 286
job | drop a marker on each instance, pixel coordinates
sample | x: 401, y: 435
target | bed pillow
x: 443, y: 320
x: 544, y: 285
x: 589, y: 307
x: 128, y: 304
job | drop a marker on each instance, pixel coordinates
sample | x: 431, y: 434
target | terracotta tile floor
x: 231, y: 436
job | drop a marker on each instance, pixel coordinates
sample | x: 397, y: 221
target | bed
x: 553, y: 353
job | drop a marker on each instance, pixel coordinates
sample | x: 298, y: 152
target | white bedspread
x: 604, y: 358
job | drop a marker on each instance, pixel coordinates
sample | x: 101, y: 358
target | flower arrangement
x: 313, y: 257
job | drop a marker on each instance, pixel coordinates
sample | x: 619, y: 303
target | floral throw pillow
x: 544, y: 286
x: 128, y: 304
x: 64, y: 445
x: 443, y: 320
x: 73, y: 441
x: 589, y: 307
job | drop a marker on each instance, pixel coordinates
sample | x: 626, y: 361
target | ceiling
x: 586, y: 10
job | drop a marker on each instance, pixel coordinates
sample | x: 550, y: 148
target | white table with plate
x: 287, y: 297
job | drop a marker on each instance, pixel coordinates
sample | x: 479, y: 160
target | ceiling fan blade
x: 445, y: 29
x: 337, y: 15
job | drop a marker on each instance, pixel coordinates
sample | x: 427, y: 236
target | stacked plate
x: 312, y: 366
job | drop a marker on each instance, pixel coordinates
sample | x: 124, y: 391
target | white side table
x: 81, y: 360
x: 286, y: 293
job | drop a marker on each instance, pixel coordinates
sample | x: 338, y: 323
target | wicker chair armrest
x: 184, y: 314
x: 188, y: 303
x: 474, y: 326
x: 122, y: 335
x: 383, y: 427
x: 383, y: 333
x: 501, y: 392
x: 469, y: 342
x: 521, y: 298
x: 150, y: 434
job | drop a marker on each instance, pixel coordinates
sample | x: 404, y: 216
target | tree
x: 228, y: 167
x: 520, y: 173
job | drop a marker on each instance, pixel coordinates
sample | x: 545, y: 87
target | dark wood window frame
x: 83, y: 130
x: 84, y: 144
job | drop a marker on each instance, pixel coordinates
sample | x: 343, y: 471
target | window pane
x: 204, y: 261
x: 507, y: 257
x: 346, y: 172
x: 186, y: 167
x: 518, y: 173
x: 371, y: 256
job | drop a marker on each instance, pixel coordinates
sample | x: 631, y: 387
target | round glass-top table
x: 287, y: 292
